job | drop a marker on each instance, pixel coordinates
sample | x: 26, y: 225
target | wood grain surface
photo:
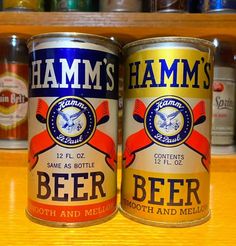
x: 125, y: 27
x: 16, y: 229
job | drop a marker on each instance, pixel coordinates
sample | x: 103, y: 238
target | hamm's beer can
x: 73, y: 111
x: 167, y: 129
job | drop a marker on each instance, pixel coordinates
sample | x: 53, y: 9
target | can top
x: 109, y: 43
x: 151, y: 42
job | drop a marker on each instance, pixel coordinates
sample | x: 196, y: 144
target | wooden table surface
x: 16, y: 229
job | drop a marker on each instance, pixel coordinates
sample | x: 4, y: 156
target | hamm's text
x: 160, y: 73
x: 80, y: 74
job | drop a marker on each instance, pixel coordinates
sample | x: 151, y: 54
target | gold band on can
x: 167, y: 127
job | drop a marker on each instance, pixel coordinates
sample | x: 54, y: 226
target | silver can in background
x: 223, y: 120
x: 165, y: 6
x: 120, y: 6
x: 223, y: 124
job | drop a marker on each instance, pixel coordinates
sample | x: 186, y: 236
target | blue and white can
x: 73, y: 108
x: 220, y: 6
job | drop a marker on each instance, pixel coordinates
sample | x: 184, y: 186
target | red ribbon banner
x: 140, y: 140
x: 100, y: 141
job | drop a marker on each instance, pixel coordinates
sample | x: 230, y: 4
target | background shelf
x: 124, y: 26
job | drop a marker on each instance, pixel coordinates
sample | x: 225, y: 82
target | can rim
x: 81, y: 37
x: 191, y: 40
x: 11, y: 35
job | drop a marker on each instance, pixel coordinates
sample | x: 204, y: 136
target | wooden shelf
x: 124, y: 26
x: 16, y: 229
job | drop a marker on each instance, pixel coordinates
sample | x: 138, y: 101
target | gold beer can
x: 167, y: 129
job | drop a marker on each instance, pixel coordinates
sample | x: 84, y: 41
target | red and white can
x: 13, y: 91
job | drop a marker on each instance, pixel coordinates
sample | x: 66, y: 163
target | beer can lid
x: 197, y: 43
x: 108, y: 43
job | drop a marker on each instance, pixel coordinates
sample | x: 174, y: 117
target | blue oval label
x: 169, y: 121
x: 71, y: 121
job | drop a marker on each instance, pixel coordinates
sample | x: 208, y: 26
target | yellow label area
x: 8, y: 110
x: 154, y: 72
x: 160, y: 197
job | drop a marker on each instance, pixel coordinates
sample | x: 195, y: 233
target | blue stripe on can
x: 92, y: 73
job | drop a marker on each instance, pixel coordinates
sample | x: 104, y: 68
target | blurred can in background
x: 220, y: 6
x: 74, y: 5
x: 120, y: 5
x: 165, y: 6
x: 195, y: 6
x: 13, y: 91
x: 223, y: 121
x: 223, y: 127
x: 23, y: 5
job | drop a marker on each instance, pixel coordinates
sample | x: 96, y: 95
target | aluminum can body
x: 223, y: 120
x: 165, y: 6
x: 74, y: 5
x: 167, y: 113
x: 23, y: 5
x: 13, y: 91
x: 73, y: 100
x: 223, y: 124
x: 120, y: 6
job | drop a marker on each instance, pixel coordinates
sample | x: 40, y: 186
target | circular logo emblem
x: 71, y: 121
x: 168, y: 121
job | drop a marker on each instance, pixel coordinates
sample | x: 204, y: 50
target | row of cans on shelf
x: 73, y: 109
x: 193, y: 6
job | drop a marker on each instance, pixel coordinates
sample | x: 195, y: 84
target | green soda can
x: 88, y: 5
x: 74, y: 5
